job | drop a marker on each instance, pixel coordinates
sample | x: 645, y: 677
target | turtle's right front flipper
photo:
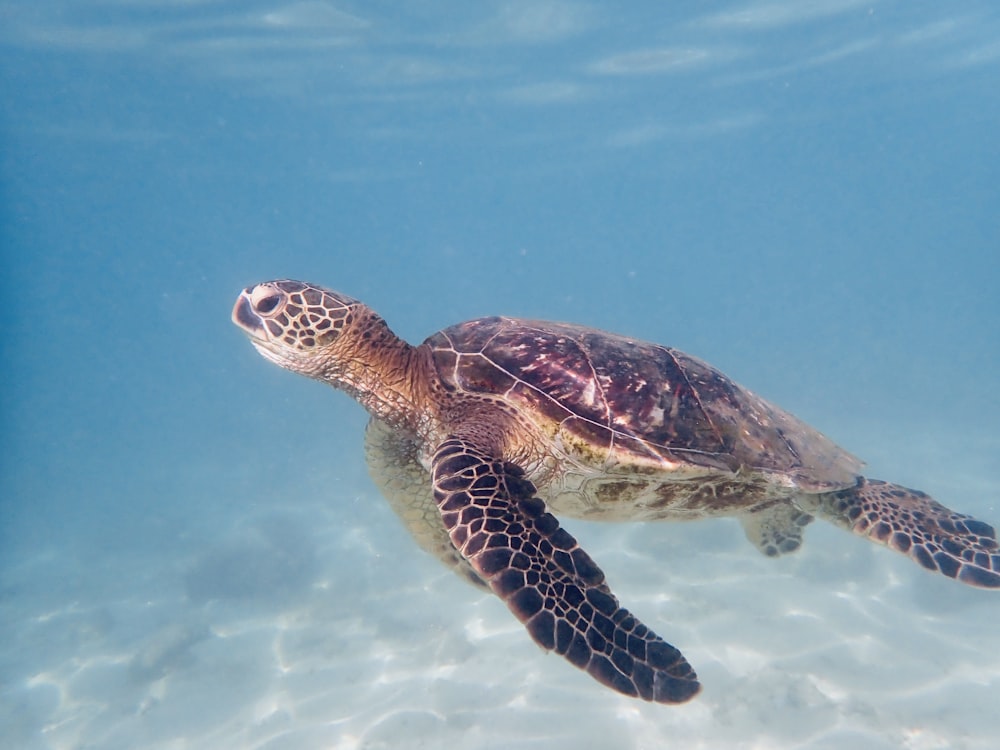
x: 499, y: 525
x: 914, y: 523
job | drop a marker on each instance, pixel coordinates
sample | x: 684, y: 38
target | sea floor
x: 318, y: 624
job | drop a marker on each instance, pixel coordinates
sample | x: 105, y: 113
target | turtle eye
x: 267, y: 304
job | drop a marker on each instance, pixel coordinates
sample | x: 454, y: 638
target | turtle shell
x: 630, y: 401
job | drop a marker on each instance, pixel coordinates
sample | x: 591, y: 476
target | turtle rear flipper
x: 912, y: 522
x: 502, y: 528
x: 776, y: 529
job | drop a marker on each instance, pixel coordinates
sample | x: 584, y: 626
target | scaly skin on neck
x: 379, y: 369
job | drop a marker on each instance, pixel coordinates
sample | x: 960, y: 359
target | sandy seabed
x: 293, y: 628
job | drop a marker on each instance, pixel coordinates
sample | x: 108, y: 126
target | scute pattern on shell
x: 642, y: 401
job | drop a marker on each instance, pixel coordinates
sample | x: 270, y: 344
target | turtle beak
x: 246, y: 318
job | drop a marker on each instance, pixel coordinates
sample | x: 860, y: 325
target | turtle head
x: 331, y: 337
x: 299, y: 326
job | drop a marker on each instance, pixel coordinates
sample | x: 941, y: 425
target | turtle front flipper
x: 394, y: 466
x: 912, y: 522
x: 501, y: 527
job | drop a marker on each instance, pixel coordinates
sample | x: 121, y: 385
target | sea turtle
x: 479, y: 432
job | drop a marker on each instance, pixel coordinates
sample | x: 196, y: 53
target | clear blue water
x: 191, y: 554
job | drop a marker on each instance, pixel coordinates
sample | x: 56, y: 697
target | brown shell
x: 643, y: 402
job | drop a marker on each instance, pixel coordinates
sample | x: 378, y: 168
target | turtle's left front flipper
x: 913, y: 523
x: 499, y: 525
